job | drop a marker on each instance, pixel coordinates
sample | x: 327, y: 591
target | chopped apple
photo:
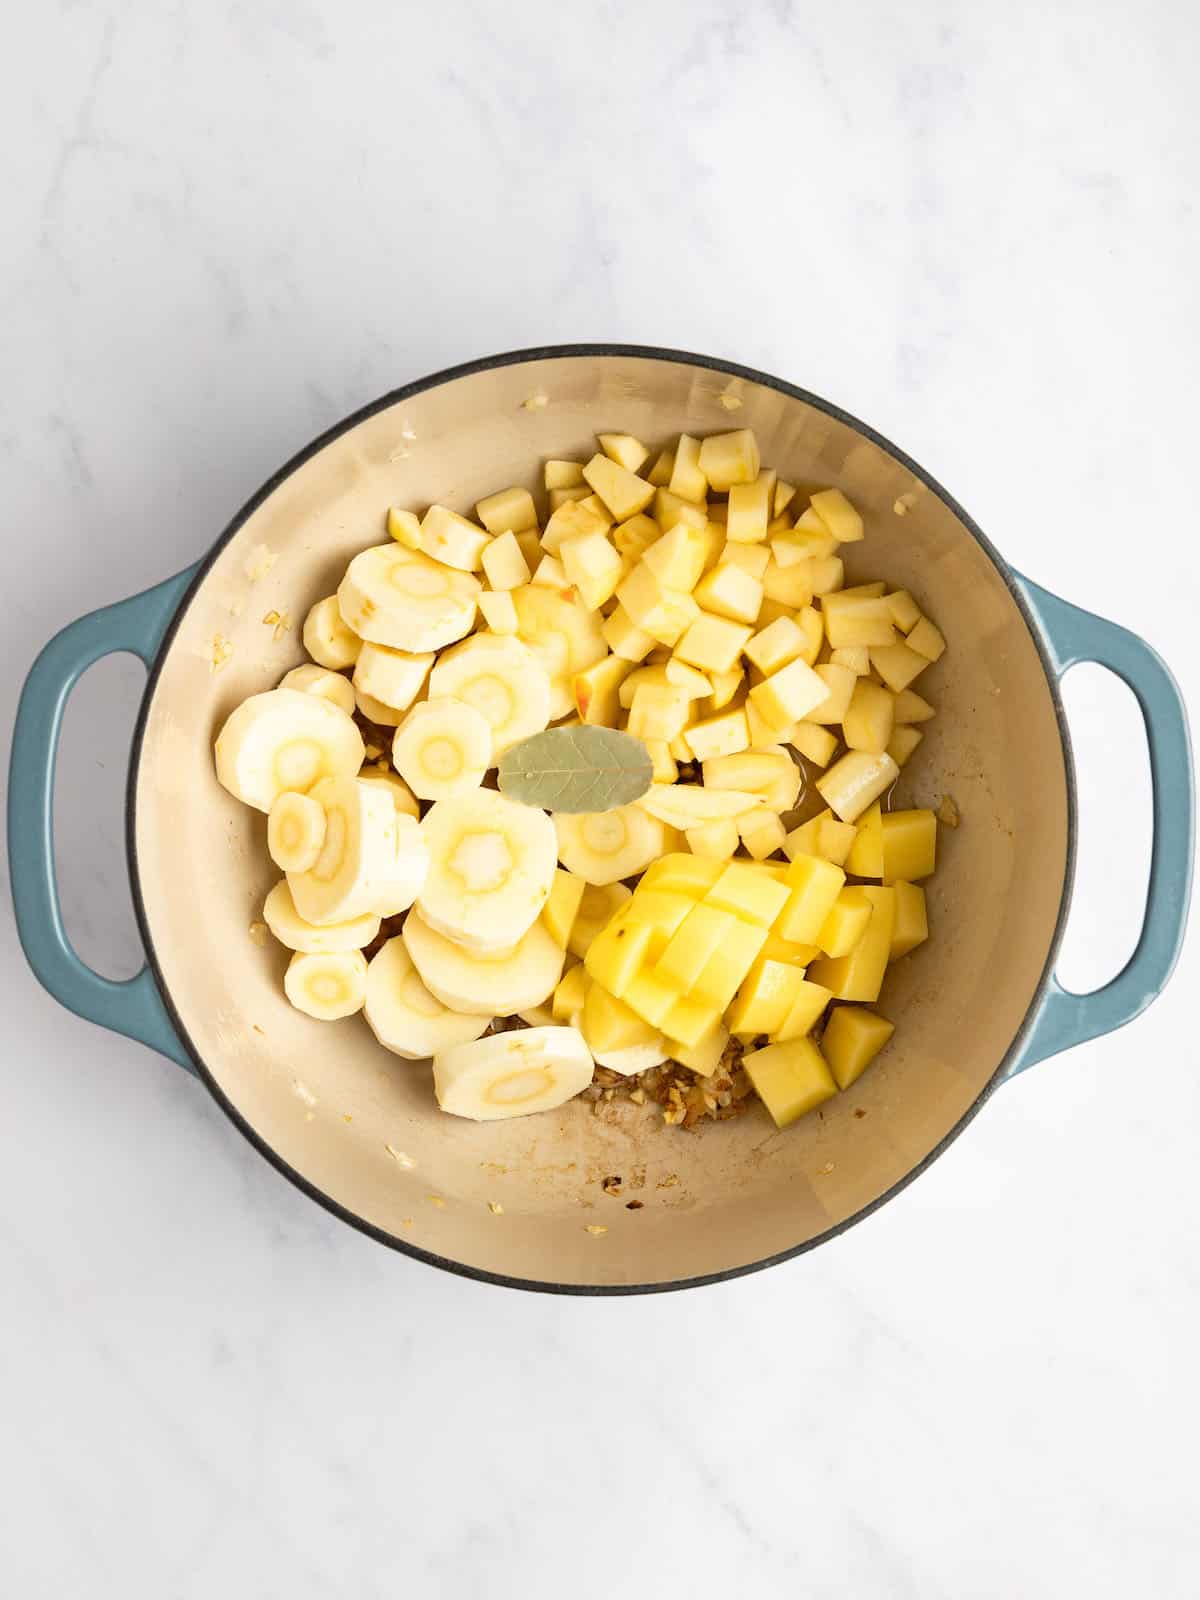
x: 838, y: 515
x: 687, y: 476
x: 624, y: 449
x: 727, y: 590
x: 510, y: 511
x: 727, y: 459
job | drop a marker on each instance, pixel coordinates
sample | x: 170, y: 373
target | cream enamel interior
x: 360, y: 1125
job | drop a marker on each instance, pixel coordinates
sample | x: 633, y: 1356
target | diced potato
x: 817, y: 538
x: 869, y: 717
x: 749, y: 512
x: 498, y: 609
x: 721, y: 975
x: 770, y: 609
x: 903, y: 742
x: 679, y: 749
x: 530, y: 543
x: 789, y: 694
x: 846, y: 923
x: 789, y: 586
x: 562, y: 474
x: 851, y: 784
x: 562, y: 906
x: 751, y: 558
x: 722, y: 735
x: 681, y: 873
x: 661, y: 908
x: 712, y: 643
x: 509, y: 511
x: 823, y: 835
x: 750, y: 892
x: 504, y: 565
x: 898, y: 665
x: 812, y: 625
x: 697, y: 685
x: 784, y: 494
x: 597, y: 507
x: 927, y: 640
x: 729, y: 591
x: 663, y: 613
x: 704, y: 1057
x: 763, y: 736
x: 839, y: 682
x: 852, y: 619
x: 687, y: 477
x: 904, y: 609
x: 655, y: 672
x: 659, y: 711
x: 660, y: 472
x: 455, y: 540
x: 593, y: 566
x: 911, y: 708
x: 609, y: 1024
x: 912, y: 920
x: 827, y: 575
x: 852, y: 1039
x: 597, y: 691
x: 838, y: 515
x: 813, y: 887
x: 716, y: 840
x: 571, y: 521
x: 651, y: 998
x: 865, y: 859
x: 550, y: 574
x: 724, y: 686
x: 663, y: 768
x: 762, y: 833
x: 570, y: 994
x: 856, y: 657
x: 790, y: 1079
x: 597, y: 908
x: 859, y: 975
x: 560, y: 497
x: 624, y: 449
x: 624, y: 638
x: 815, y: 744
x: 634, y: 537
x: 689, y: 1021
x: 619, y: 952
x: 777, y: 948
x: 677, y: 558
x: 909, y: 845
x: 765, y: 998
x: 404, y: 527
x: 670, y: 509
x: 727, y: 459
x: 755, y: 770
x: 866, y: 591
x: 775, y: 645
x: 622, y: 491
x: 811, y: 1000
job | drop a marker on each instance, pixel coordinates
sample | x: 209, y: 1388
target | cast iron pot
x: 356, y: 1128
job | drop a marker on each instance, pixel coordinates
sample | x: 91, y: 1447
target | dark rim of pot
x: 599, y: 352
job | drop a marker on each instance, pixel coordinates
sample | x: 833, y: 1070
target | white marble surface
x: 224, y: 226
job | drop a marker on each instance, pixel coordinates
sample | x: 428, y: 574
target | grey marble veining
x: 224, y: 227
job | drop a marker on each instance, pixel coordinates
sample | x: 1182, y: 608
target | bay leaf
x: 583, y: 768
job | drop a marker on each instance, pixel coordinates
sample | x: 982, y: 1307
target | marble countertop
x: 226, y: 227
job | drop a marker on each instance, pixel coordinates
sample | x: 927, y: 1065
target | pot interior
x: 359, y: 1125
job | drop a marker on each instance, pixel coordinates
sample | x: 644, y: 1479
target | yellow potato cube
x: 550, y: 574
x: 663, y: 613
x: 755, y: 770
x: 651, y: 998
x: 664, y: 768
x: 597, y: 690
x: 679, y: 751
x: 562, y: 474
x: 749, y: 512
x: 789, y: 694
x: 687, y: 478
x: 572, y: 521
x: 826, y: 576
x: 840, y: 683
x: 904, y: 609
x: 452, y: 539
x: 660, y: 472
x: 903, y: 742
x: 721, y: 975
x: 813, y: 887
x: 619, y: 952
x: 670, y: 510
x: 909, y: 845
x: 898, y: 665
x: 677, y: 558
x: 846, y: 923
x: 562, y: 905
x: 560, y: 497
x: 530, y: 543
x: 717, y: 840
x: 856, y: 781
x: 753, y: 559
x: 504, y: 564
x: 660, y: 908
x: 866, y: 591
x: 838, y: 515
x: 570, y: 994
x: 775, y: 645
x: 624, y: 638
x: 750, y: 892
x: 634, y: 537
x: 624, y: 449
x: 622, y: 491
x: 865, y: 859
x: 722, y: 735
x: 852, y: 619
x: 812, y: 625
x: 680, y: 873
x: 656, y: 674
x: 712, y: 643
x: 912, y: 919
x: 609, y: 1024
x: 404, y: 527
x: 727, y: 459
x: 789, y: 586
x: 857, y: 657
x: 911, y: 708
x: 819, y: 543
x: 659, y: 711
x: 869, y: 717
x: 853, y: 1038
x: 790, y: 1079
x: 784, y: 494
x: 777, y: 948
x: 815, y: 744
x: 792, y: 549
x: 729, y: 591
x: 822, y: 836
x: 704, y: 1057
x: 598, y: 907
x: 509, y: 511
x: 724, y: 686
x: 498, y: 610
x: 859, y: 975
x: 593, y: 566
x: 761, y: 832
x: 690, y: 679
x: 762, y: 735
x: 700, y: 932
x: 597, y: 507
x: 811, y: 1000
x: 688, y: 1021
x: 927, y: 640
x: 765, y: 998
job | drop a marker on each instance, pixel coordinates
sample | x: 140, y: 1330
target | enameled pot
x: 357, y: 1128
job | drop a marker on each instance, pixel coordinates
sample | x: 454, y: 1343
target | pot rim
x: 433, y: 381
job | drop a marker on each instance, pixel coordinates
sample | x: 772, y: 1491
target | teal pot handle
x: 133, y: 1007
x: 1071, y: 636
